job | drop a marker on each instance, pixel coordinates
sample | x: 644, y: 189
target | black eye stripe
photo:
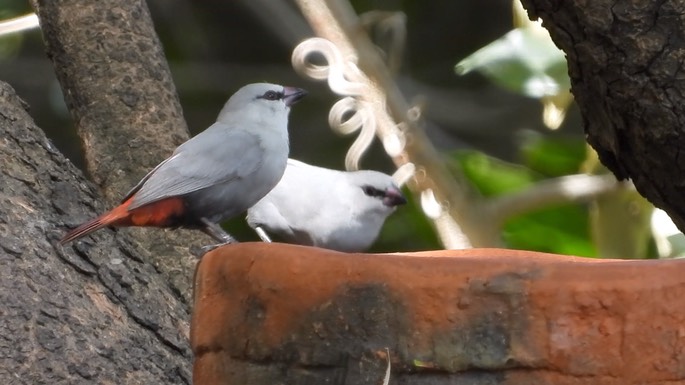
x: 372, y: 191
x: 271, y: 95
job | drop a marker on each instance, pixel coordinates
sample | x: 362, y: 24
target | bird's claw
x: 200, y: 251
x: 262, y: 234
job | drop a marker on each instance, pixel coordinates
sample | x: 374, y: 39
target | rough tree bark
x: 95, y: 313
x: 118, y: 87
x: 625, y: 60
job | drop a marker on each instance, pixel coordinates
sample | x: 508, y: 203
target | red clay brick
x: 273, y: 313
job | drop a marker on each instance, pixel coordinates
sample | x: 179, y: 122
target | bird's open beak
x: 393, y: 197
x: 292, y: 95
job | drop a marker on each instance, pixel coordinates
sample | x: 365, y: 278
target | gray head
x: 377, y: 191
x: 262, y: 99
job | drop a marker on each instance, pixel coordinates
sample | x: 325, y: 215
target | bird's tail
x: 118, y: 216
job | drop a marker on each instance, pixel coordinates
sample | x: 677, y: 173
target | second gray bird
x: 337, y: 210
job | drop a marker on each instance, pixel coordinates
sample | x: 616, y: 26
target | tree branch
x: 117, y: 85
x: 562, y: 190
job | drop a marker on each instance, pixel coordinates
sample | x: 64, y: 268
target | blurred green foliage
x: 10, y: 45
x: 525, y: 61
x: 554, y: 156
x: 614, y: 225
x: 561, y: 229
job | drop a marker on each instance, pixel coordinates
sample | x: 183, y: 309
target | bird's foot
x: 200, y: 251
x: 262, y: 234
x: 215, y: 231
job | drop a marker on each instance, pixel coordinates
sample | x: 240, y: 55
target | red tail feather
x: 114, y: 217
x: 158, y: 214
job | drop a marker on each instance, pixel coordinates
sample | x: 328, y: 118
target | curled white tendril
x: 430, y: 205
x: 403, y: 174
x: 448, y: 229
x: 364, y: 109
x: 337, y: 70
x: 352, y: 113
x: 394, y: 142
x: 361, y: 120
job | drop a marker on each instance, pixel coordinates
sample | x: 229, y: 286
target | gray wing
x: 217, y: 155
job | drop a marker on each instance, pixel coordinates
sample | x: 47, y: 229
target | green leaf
x: 489, y: 175
x: 525, y: 60
x: 554, y: 157
x: 559, y: 230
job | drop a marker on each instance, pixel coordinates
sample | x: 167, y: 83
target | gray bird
x: 315, y: 206
x: 215, y: 175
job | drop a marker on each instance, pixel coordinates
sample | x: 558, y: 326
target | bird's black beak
x: 292, y: 95
x: 393, y: 197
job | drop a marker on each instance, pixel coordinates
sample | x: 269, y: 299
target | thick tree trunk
x: 119, y: 90
x: 94, y: 313
x: 625, y: 62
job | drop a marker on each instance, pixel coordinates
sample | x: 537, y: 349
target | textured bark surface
x: 625, y: 61
x: 117, y: 85
x: 91, y: 314
x: 270, y: 313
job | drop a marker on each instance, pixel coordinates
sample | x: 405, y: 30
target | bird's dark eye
x: 272, y: 95
x: 372, y: 191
